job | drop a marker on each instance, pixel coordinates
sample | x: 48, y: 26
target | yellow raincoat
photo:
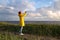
x: 21, y: 17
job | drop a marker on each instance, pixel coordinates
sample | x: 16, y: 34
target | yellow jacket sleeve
x: 24, y: 14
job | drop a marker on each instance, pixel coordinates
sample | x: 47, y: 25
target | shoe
x: 21, y: 34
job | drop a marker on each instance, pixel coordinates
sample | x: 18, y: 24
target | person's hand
x: 25, y: 11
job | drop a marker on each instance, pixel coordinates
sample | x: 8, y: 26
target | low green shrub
x: 43, y: 29
x: 36, y: 29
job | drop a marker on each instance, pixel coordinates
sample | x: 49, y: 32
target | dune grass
x: 52, y: 30
x: 37, y: 29
x: 9, y: 36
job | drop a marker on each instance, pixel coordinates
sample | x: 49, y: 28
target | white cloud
x: 29, y: 5
x: 12, y: 8
x: 46, y: 13
x: 19, y: 4
x: 34, y: 14
x: 51, y: 12
x: 1, y: 6
x: 54, y: 11
x: 54, y: 15
x: 56, y: 5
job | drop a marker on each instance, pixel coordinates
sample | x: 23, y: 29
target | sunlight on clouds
x: 1, y: 6
x: 57, y: 5
x: 47, y: 12
x: 29, y: 5
x: 12, y: 8
x: 54, y: 15
x: 34, y: 14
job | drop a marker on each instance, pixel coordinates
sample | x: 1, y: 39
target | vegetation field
x: 32, y: 32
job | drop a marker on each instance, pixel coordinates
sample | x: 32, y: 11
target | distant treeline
x: 34, y: 22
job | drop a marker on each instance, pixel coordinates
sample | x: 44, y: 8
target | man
x: 21, y: 23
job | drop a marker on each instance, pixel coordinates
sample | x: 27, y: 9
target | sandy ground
x: 30, y: 36
x: 35, y: 37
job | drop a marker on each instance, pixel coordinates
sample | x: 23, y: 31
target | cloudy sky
x: 37, y: 10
